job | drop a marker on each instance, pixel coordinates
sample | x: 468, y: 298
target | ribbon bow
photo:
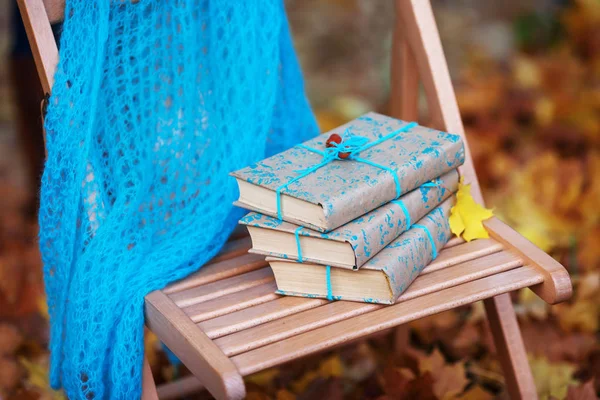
x: 351, y: 145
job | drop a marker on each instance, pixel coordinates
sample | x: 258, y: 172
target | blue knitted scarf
x: 154, y: 103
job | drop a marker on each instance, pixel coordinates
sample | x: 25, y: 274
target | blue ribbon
x: 328, y: 282
x: 433, y: 248
x: 352, y: 145
x: 297, y: 235
x: 404, y: 210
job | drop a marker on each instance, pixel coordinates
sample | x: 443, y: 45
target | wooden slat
x: 55, y: 10
x: 179, y: 388
x: 283, y: 328
x: 230, y: 263
x: 383, y: 318
x: 199, y: 354
x: 223, y: 287
x: 233, y: 248
x: 557, y: 285
x: 297, y: 323
x: 462, y: 252
x: 250, y: 317
x: 417, y: 19
x: 461, y: 273
x: 237, y: 301
x: 454, y: 240
x: 404, y: 79
x: 41, y: 40
x: 232, y: 302
x: 218, y: 271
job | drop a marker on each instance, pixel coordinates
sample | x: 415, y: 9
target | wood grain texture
x: 248, y: 299
x: 280, y: 307
x: 236, y: 301
x: 223, y: 287
x: 454, y: 241
x: 215, y: 271
x: 148, y: 385
x: 275, y: 331
x: 199, y: 354
x: 350, y: 329
x: 41, y: 40
x: 509, y: 347
x: 404, y: 79
x: 557, y: 285
x: 462, y: 252
x: 179, y: 388
x: 55, y: 9
x: 233, y: 248
x: 259, y: 332
x: 421, y: 31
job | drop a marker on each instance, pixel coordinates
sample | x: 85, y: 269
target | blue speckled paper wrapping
x: 347, y: 189
x: 403, y: 259
x: 371, y: 232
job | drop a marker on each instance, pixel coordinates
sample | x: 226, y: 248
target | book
x: 352, y: 244
x: 300, y: 187
x: 380, y: 280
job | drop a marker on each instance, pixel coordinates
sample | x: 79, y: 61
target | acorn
x: 334, y: 138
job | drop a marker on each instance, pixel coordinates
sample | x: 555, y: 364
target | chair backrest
x: 55, y: 10
x: 417, y: 55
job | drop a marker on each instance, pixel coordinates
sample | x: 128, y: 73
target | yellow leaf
x: 263, y: 378
x: 301, y: 384
x: 151, y: 345
x: 43, y: 307
x: 37, y: 378
x: 582, y: 316
x: 531, y: 305
x: 331, y: 367
x: 467, y: 216
x: 551, y: 380
x: 526, y: 73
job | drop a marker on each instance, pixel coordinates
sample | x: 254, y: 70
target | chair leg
x: 404, y: 98
x: 509, y: 347
x: 148, y: 385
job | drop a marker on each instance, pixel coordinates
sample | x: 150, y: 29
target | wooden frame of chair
x: 208, y: 334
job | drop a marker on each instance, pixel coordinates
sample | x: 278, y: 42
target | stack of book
x: 355, y: 213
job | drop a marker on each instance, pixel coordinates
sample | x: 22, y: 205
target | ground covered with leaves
x: 533, y: 121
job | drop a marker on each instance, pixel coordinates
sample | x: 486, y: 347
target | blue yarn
x: 383, y: 167
x: 352, y: 145
x: 404, y: 210
x: 154, y: 103
x: 328, y: 282
x: 433, y: 247
x: 297, y: 235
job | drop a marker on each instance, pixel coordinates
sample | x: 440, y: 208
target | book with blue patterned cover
x: 362, y: 238
x: 383, y: 278
x: 397, y: 158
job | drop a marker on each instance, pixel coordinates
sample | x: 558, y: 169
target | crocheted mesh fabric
x: 153, y: 104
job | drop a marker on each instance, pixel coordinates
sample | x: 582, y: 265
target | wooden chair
x: 225, y: 321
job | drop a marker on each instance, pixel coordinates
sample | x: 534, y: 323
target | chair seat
x: 232, y: 302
